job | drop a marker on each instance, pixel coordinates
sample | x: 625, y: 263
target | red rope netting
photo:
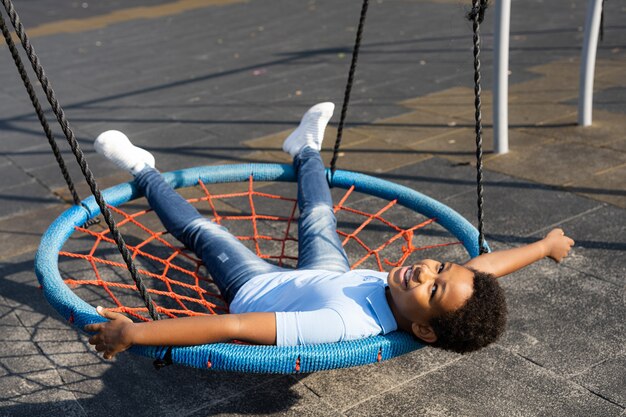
x: 176, y: 278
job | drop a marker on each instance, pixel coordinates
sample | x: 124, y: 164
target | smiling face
x: 428, y: 289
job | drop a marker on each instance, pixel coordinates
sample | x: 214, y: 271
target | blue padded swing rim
x: 235, y: 357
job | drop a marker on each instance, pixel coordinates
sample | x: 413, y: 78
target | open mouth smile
x: 406, y: 277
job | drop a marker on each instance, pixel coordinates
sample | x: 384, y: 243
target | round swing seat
x: 76, y: 305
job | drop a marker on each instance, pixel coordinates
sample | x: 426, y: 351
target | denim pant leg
x: 319, y: 246
x: 228, y: 261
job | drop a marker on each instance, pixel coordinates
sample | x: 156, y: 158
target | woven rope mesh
x: 376, y: 234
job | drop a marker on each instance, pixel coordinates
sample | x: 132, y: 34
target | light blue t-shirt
x: 315, y: 306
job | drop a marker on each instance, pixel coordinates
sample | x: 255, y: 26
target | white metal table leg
x: 588, y: 62
x: 501, y: 76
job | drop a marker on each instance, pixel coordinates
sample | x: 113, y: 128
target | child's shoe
x: 310, y: 132
x: 117, y: 148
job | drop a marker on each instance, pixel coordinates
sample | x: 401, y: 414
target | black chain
x: 40, y: 115
x: 346, y: 96
x: 476, y: 15
x: 80, y: 157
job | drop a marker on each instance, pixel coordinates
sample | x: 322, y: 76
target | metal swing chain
x: 346, y: 96
x: 476, y: 16
x: 40, y: 115
x: 80, y: 157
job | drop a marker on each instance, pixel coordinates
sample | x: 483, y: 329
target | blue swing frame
x: 236, y: 357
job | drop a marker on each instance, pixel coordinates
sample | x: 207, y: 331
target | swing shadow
x: 50, y: 360
x: 57, y: 372
x: 285, y: 58
x: 228, y: 153
x: 88, y: 141
x: 208, y: 151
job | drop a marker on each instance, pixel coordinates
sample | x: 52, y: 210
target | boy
x: 452, y: 306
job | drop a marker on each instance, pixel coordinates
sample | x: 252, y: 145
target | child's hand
x: 113, y: 336
x: 557, y: 244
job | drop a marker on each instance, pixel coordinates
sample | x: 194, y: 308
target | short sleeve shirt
x: 315, y: 306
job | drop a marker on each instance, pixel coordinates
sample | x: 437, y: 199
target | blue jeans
x: 228, y: 261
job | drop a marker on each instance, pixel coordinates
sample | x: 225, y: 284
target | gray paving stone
x: 14, y: 90
x: 218, y: 151
x: 519, y: 208
x: 29, y: 382
x: 347, y: 388
x: 67, y: 90
x: 14, y: 106
x: 92, y: 121
x: 12, y: 329
x: 39, y: 393
x: 51, y: 177
x: 612, y: 99
x: 284, y: 396
x: 23, y: 198
x: 19, y: 287
x: 195, y: 72
x: 600, y: 239
x: 173, y: 391
x: 501, y: 384
x: 40, y: 155
x: 606, y: 380
x: 174, y: 145
x: 50, y: 11
x: 10, y: 175
x: 442, y: 179
x: 21, y: 133
x: 234, y: 128
x: 63, y: 350
x: 22, y: 233
x: 563, y: 320
x: 328, y: 87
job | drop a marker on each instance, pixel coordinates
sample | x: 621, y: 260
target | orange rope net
x: 176, y: 278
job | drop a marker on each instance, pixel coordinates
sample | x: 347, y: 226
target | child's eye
x: 441, y: 266
x: 433, y: 291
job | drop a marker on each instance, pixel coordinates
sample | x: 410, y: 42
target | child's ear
x: 424, y: 332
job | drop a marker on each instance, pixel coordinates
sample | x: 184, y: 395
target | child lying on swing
x: 455, y: 307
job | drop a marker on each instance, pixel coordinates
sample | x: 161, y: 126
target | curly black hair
x: 479, y: 322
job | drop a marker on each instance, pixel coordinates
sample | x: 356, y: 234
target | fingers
x: 95, y: 339
x: 564, y: 251
x: 93, y: 327
x: 108, y: 314
x: 98, y: 327
x: 108, y: 353
x: 557, y: 231
x: 98, y: 341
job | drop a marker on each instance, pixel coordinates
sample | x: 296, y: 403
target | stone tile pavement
x: 217, y: 81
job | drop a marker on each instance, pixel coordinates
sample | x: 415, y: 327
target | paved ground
x: 207, y: 82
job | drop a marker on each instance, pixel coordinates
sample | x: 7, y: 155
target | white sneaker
x: 117, y: 148
x: 310, y: 132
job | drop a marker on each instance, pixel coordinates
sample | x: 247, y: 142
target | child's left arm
x: 555, y: 245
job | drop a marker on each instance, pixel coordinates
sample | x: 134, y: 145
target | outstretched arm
x: 555, y: 245
x: 120, y: 333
